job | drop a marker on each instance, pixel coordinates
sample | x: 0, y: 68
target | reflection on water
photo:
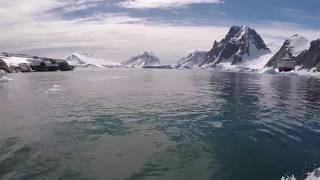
x: 158, y: 124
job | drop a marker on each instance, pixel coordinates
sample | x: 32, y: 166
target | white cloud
x: 149, y: 4
x: 30, y: 29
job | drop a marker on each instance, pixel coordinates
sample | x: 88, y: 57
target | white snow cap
x: 298, y: 44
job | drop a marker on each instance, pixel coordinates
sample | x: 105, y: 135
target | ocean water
x: 158, y: 124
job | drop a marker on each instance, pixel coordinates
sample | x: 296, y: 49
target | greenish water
x: 158, y: 124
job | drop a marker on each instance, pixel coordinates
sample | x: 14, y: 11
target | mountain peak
x: 296, y: 44
x: 148, y: 53
x: 291, y: 48
x: 241, y: 43
x: 144, y: 59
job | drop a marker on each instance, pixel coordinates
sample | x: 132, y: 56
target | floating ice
x: 315, y: 175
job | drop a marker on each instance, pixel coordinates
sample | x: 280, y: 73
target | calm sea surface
x: 158, y: 124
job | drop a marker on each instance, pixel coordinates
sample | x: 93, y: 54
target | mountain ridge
x: 142, y: 60
x: 240, y: 44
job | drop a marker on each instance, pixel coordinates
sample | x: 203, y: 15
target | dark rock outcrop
x: 64, y: 66
x: 311, y: 58
x: 239, y: 44
x: 4, y: 66
x: 23, y: 67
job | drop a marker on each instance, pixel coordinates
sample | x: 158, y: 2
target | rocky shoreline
x: 12, y: 63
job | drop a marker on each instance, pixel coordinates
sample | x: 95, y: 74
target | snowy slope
x: 18, y: 59
x: 15, y: 61
x: 85, y: 60
x: 139, y: 61
x: 192, y: 60
x: 297, y: 44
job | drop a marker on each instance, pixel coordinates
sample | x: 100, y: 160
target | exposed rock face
x: 239, y: 45
x: 4, y: 66
x: 64, y: 66
x: 145, y: 59
x: 194, y: 59
x: 23, y: 67
x: 310, y: 58
x: 290, y: 49
x: 25, y: 63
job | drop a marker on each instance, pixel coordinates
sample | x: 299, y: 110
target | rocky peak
x: 291, y: 48
x: 240, y: 43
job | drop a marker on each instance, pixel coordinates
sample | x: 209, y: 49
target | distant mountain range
x: 242, y: 49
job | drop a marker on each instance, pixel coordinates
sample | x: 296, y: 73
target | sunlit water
x: 158, y: 124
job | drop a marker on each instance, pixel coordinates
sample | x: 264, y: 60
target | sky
x: 118, y: 29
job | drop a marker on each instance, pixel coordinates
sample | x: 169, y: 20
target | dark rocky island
x: 24, y: 63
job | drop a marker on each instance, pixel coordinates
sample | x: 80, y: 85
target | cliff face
x: 4, y: 66
x: 310, y: 59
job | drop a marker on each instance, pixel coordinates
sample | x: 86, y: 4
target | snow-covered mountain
x: 87, y: 61
x: 194, y: 59
x: 290, y: 49
x: 239, y: 47
x: 139, y: 61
